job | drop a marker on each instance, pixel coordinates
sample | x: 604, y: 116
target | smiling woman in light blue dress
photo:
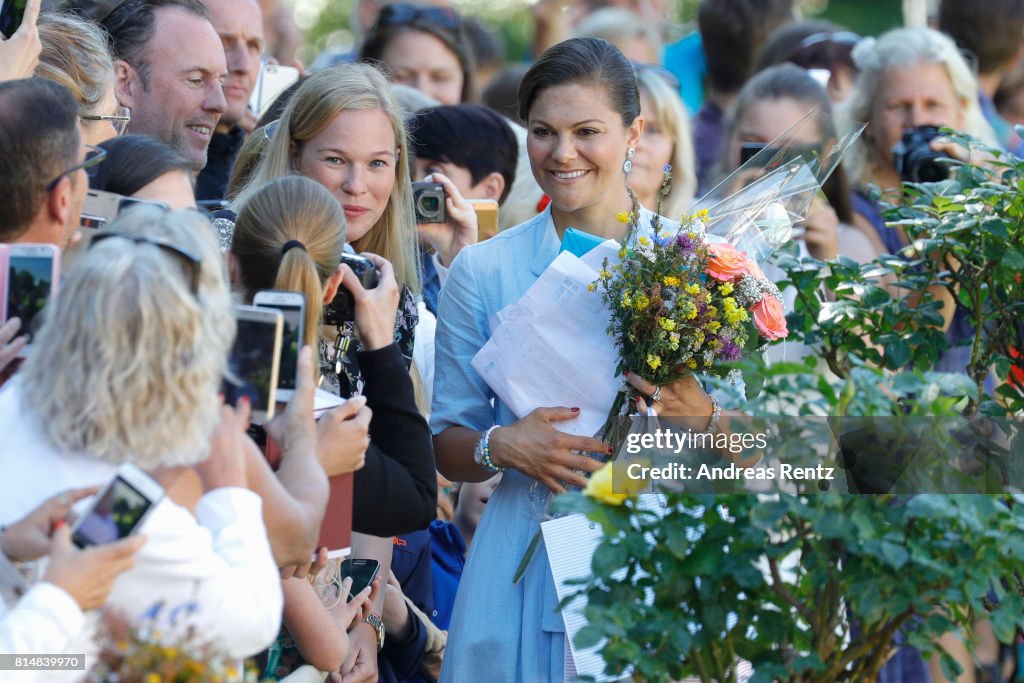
x: 581, y: 105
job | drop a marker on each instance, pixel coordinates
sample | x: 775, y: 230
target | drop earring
x: 627, y: 165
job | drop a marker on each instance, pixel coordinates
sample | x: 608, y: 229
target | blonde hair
x: 249, y: 155
x: 76, y: 55
x: 317, y: 102
x: 903, y: 47
x: 287, y: 209
x: 129, y: 361
x: 669, y: 110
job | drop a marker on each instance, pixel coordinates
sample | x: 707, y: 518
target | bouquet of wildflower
x: 144, y: 654
x: 682, y: 302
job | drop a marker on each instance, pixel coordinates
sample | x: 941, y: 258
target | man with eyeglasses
x: 42, y: 162
x: 169, y: 70
x: 239, y: 23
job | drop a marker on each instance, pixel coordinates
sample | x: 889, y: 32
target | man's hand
x: 361, y: 664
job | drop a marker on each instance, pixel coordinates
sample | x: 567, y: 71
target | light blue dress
x: 500, y: 631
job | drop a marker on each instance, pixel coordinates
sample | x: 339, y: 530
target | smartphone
x: 4, y: 274
x: 486, y: 217
x: 11, y: 14
x: 254, y: 360
x: 362, y: 572
x: 292, y: 306
x: 101, y: 207
x: 273, y: 80
x: 119, y: 509
x: 32, y: 280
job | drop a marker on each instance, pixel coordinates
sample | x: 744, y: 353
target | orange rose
x: 770, y: 318
x: 726, y: 263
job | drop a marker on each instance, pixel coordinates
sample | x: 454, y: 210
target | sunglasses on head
x: 400, y: 14
x: 190, y: 262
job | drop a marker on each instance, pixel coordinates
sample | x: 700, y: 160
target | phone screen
x: 250, y: 364
x: 11, y: 14
x: 114, y: 516
x: 28, y: 289
x: 362, y: 572
x: 290, y: 344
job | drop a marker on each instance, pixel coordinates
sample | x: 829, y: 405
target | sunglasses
x: 400, y: 14
x: 189, y: 261
x: 94, y: 156
x: 119, y: 121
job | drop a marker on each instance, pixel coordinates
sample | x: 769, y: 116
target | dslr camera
x: 915, y: 161
x: 343, y: 308
x: 428, y: 200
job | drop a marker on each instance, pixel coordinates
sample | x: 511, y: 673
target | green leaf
x: 588, y: 636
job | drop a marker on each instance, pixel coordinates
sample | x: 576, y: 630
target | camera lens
x: 429, y: 205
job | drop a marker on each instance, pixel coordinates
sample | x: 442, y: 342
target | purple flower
x: 685, y: 243
x: 667, y: 168
x: 730, y: 351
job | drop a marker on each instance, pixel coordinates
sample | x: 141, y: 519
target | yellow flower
x: 692, y: 313
x: 642, y: 302
x: 600, y: 487
x: 692, y: 364
x: 698, y: 338
x: 735, y: 315
x: 714, y: 326
x: 667, y: 324
x: 729, y: 303
x: 644, y: 241
x: 671, y: 281
x: 153, y: 678
x: 692, y: 289
x: 653, y: 361
x: 604, y: 274
x: 725, y: 289
x: 627, y: 301
x: 622, y: 253
x: 592, y: 286
x: 712, y: 312
x: 702, y: 214
x: 622, y: 216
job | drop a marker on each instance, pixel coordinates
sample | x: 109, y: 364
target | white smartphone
x: 273, y: 80
x: 33, y: 272
x: 119, y: 509
x: 254, y: 361
x: 292, y: 306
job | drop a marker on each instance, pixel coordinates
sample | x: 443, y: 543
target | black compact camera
x: 915, y: 160
x: 428, y: 200
x: 343, y: 308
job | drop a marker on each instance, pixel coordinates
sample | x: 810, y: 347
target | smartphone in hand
x: 292, y: 306
x: 119, y: 509
x: 362, y: 573
x: 255, y: 360
x: 32, y: 280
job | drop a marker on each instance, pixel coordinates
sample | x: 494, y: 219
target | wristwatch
x: 377, y: 623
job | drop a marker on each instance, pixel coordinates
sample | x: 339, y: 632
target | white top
x: 44, y: 621
x: 214, y: 570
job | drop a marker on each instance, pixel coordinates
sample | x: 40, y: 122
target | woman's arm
x: 320, y: 636
x: 462, y: 408
x: 396, y: 491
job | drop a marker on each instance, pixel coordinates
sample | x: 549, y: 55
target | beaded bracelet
x: 716, y: 413
x: 483, y: 452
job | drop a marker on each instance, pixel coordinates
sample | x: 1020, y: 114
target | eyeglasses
x: 268, y: 130
x: 119, y: 121
x: 659, y: 71
x: 94, y: 156
x: 401, y: 13
x: 190, y: 261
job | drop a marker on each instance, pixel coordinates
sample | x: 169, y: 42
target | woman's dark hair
x: 585, y: 61
x: 455, y: 39
x: 468, y: 136
x: 810, y: 44
x: 134, y: 161
x: 787, y: 81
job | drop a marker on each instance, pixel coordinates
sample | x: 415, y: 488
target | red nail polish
x: 575, y: 410
x: 59, y: 524
x: 610, y: 450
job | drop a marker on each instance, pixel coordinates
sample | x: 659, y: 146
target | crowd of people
x: 150, y: 100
